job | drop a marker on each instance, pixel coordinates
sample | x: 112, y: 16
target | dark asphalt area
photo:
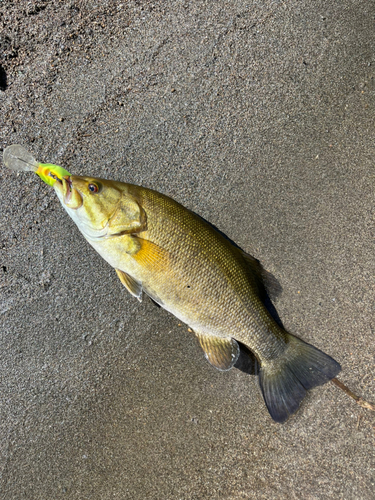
x: 259, y: 116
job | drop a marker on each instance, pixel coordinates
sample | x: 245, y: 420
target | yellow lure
x: 49, y: 173
x: 17, y: 158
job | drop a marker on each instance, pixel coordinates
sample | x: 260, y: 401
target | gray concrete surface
x: 260, y: 117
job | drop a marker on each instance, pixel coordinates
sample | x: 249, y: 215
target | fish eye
x: 93, y: 188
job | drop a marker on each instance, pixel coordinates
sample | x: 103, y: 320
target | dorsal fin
x: 130, y: 284
x: 220, y: 352
x: 265, y: 280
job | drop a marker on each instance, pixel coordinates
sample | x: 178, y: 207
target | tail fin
x: 285, y: 380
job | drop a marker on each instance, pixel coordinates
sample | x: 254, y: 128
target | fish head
x: 100, y: 208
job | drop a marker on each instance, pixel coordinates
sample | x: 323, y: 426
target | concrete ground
x: 260, y: 116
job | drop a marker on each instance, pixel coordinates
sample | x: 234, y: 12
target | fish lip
x: 67, y: 188
x: 58, y: 187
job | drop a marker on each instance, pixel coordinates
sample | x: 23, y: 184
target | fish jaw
x: 72, y: 198
x: 73, y: 201
x: 67, y: 194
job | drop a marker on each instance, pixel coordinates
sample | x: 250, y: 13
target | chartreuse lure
x: 17, y: 158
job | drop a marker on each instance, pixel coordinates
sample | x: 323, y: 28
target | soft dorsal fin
x: 222, y: 353
x: 132, y: 286
x: 265, y: 280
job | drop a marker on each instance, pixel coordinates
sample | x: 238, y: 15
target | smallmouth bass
x: 163, y: 249
x: 190, y: 269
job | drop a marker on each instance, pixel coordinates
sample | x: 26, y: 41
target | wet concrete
x: 260, y: 117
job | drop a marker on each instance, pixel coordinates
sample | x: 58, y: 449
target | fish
x: 188, y: 267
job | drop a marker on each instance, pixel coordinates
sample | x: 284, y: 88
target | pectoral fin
x: 132, y: 286
x: 150, y: 255
x: 222, y: 353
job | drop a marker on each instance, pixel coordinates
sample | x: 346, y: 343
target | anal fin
x: 220, y: 352
x: 130, y: 284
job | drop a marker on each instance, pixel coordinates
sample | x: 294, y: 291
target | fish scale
x: 229, y: 304
x: 185, y: 265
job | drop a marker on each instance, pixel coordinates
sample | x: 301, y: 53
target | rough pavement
x: 260, y: 117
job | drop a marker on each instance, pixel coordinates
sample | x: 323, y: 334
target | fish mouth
x: 68, y: 194
x: 67, y: 186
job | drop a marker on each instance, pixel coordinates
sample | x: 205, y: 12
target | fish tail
x: 285, y: 380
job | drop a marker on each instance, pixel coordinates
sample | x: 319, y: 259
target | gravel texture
x: 259, y: 116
